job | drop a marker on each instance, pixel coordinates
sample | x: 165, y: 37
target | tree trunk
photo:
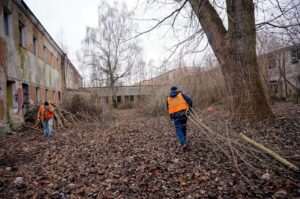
x: 114, y: 91
x: 115, y: 100
x: 235, y: 50
x: 284, y: 75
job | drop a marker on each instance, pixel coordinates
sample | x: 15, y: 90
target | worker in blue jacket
x: 178, y: 104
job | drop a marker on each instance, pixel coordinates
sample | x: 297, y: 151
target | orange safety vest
x: 48, y: 114
x: 177, y: 104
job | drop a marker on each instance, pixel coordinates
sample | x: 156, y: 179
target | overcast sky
x: 66, y: 21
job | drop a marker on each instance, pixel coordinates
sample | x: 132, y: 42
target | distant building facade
x: 124, y: 94
x: 171, y: 76
x: 33, y: 68
x: 281, y: 71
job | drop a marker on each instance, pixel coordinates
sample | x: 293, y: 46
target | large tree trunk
x: 235, y: 50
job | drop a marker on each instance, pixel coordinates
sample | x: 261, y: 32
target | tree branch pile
x: 62, y: 118
x: 238, y: 148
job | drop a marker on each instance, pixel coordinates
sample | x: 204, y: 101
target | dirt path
x: 138, y: 157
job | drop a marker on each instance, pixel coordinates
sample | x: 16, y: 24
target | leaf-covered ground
x: 138, y: 157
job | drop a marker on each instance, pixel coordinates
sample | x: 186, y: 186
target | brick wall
x: 40, y: 48
x: 30, y: 44
x: 50, y: 96
x: 3, y: 55
x: 32, y: 93
x: 2, y: 96
x: 42, y: 94
x: 58, y: 102
x: 48, y: 56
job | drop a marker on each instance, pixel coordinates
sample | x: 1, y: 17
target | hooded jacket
x: 182, y: 113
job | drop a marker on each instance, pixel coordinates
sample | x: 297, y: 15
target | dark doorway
x: 25, y: 104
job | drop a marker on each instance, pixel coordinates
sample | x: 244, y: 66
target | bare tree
x: 279, y: 19
x: 106, y: 48
x: 230, y: 28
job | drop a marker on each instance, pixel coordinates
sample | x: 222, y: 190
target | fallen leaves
x: 136, y: 158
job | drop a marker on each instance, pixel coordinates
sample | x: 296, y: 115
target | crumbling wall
x: 3, y: 116
x: 72, y: 77
x: 277, y: 66
x: 3, y: 73
x: 124, y: 94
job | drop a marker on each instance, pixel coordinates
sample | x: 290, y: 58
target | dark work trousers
x: 180, y: 125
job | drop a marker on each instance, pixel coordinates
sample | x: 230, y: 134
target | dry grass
x: 85, y: 108
x: 157, y: 103
x: 206, y: 87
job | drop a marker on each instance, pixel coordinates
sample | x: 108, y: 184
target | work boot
x: 184, y: 148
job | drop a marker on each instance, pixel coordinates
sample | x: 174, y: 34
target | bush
x: 85, y: 108
x: 156, y: 104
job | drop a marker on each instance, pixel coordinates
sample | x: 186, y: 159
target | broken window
x: 46, y: 95
x: 51, y: 59
x: 131, y: 98
x: 59, y: 98
x: 7, y: 22
x: 119, y: 99
x: 57, y: 62
x: 9, y: 89
x: 45, y: 53
x: 274, y: 86
x: 295, y: 56
x: 37, y: 96
x: 35, y: 46
x: 22, y: 34
x: 26, y: 99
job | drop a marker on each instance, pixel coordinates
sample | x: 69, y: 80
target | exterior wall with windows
x: 31, y: 63
x: 73, y: 79
x: 125, y: 94
x: 281, y: 71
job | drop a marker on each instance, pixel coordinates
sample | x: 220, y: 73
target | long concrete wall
x: 121, y: 90
x: 124, y: 94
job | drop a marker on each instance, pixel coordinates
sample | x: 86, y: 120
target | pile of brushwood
x: 74, y: 109
x: 62, y: 117
x: 241, y: 150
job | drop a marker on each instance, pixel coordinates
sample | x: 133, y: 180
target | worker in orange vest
x: 178, y: 104
x: 46, y: 115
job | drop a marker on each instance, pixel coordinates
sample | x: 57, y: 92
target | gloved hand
x: 189, y: 111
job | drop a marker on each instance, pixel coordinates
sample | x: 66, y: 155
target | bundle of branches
x: 237, y: 147
x: 62, y: 117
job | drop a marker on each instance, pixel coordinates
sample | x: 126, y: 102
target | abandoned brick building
x: 281, y: 71
x: 33, y: 68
